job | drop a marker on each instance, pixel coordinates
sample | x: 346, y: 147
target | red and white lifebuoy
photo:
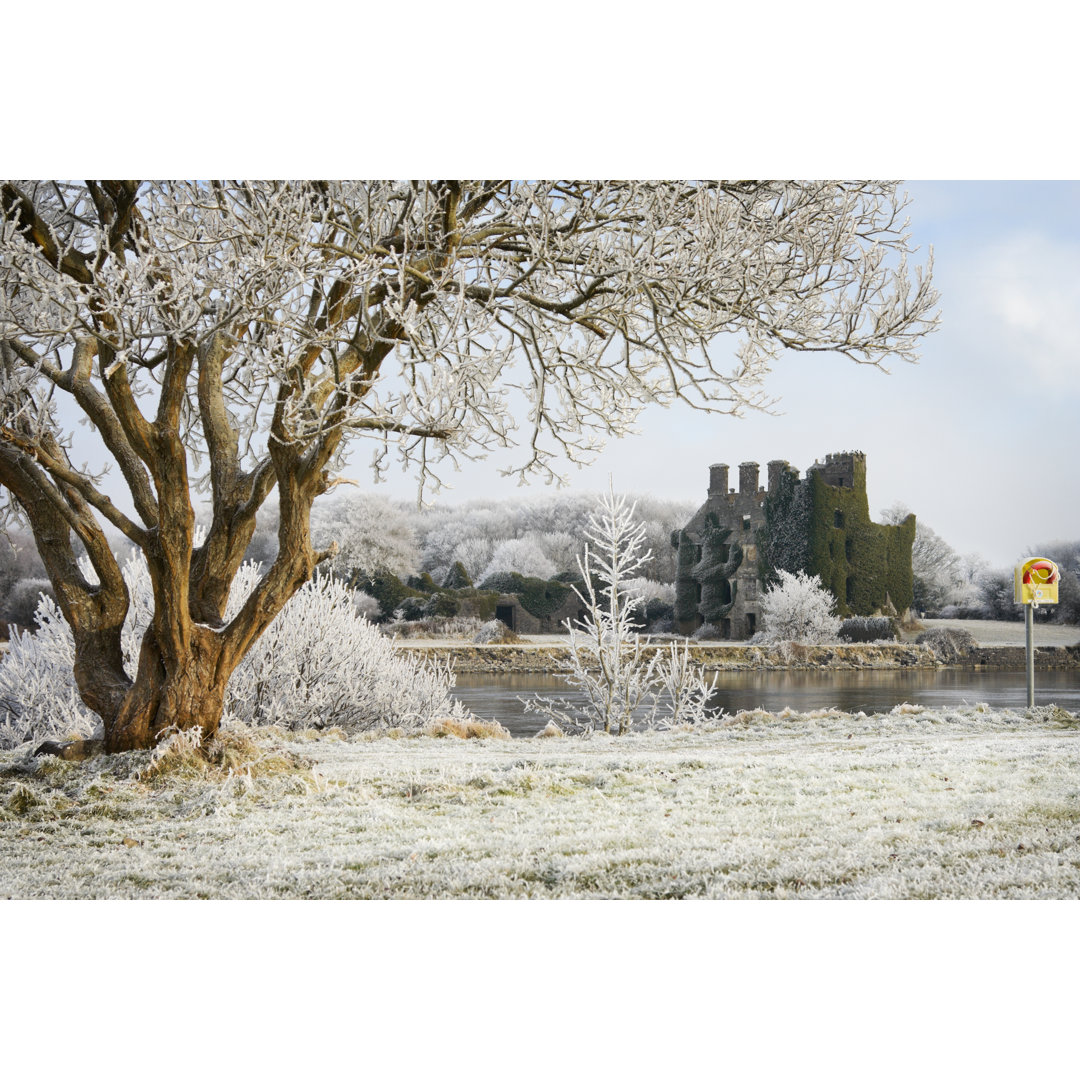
x: 1040, y: 572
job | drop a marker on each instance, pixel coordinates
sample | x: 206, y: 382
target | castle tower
x: 718, y: 480
x: 748, y: 478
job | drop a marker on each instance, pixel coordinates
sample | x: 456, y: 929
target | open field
x: 965, y: 803
x: 999, y: 632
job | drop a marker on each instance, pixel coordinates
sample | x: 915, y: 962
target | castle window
x: 847, y: 548
x: 838, y: 518
x: 746, y: 522
x: 849, y: 589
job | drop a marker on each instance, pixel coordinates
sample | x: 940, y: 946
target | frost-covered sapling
x: 622, y: 678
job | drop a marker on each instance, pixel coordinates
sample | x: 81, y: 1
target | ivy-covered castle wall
x: 867, y: 566
x: 716, y: 577
x: 734, y: 546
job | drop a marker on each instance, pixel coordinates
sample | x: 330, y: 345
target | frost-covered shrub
x: 367, y: 607
x: 38, y: 696
x: 706, y: 632
x: 799, y: 608
x: 869, y: 628
x: 319, y: 664
x: 646, y: 589
x: 457, y: 626
x: 960, y: 611
x: 950, y: 645
x: 495, y: 632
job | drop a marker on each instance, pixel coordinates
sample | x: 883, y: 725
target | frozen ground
x: 970, y: 803
x: 990, y: 632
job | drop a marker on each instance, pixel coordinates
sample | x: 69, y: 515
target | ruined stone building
x: 732, y: 548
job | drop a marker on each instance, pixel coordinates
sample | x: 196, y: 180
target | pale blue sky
x: 979, y: 438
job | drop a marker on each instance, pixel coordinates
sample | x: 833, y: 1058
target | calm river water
x: 495, y: 697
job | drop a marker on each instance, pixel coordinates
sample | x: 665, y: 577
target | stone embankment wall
x: 884, y: 656
x: 1014, y: 658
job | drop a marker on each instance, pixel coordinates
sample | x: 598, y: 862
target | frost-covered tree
x: 799, y: 608
x: 372, y: 535
x: 525, y: 557
x: 621, y: 679
x: 935, y: 566
x: 18, y: 560
x: 473, y: 553
x: 22, y: 600
x: 996, y: 595
x: 231, y: 338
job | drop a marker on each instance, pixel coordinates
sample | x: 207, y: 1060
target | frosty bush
x: 366, y: 606
x: 646, y: 589
x: 319, y: 664
x: 495, y: 632
x: 799, y: 608
x: 38, y: 696
x: 950, y: 645
x: 455, y: 626
x: 869, y: 628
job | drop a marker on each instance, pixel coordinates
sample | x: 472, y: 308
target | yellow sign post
x: 1035, y: 582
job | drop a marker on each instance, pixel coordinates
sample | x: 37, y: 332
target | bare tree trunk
x: 174, y: 692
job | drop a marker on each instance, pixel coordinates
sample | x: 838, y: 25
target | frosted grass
x: 916, y: 803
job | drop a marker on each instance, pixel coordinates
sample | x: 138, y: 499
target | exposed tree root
x: 77, y: 750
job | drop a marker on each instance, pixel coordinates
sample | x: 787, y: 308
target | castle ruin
x: 734, y: 546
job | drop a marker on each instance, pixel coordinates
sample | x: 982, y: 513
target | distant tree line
x: 384, y: 544
x: 949, y: 585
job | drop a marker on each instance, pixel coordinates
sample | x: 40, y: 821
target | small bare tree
x: 228, y: 339
x: 621, y: 676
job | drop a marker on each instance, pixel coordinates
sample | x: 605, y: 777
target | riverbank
x: 546, y: 656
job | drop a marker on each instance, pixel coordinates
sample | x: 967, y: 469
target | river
x: 496, y: 697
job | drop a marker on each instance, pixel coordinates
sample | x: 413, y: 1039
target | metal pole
x: 1029, y: 624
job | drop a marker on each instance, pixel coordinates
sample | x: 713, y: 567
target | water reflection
x: 495, y: 697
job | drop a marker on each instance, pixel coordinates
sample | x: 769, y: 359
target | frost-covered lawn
x: 967, y: 803
x: 997, y: 632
